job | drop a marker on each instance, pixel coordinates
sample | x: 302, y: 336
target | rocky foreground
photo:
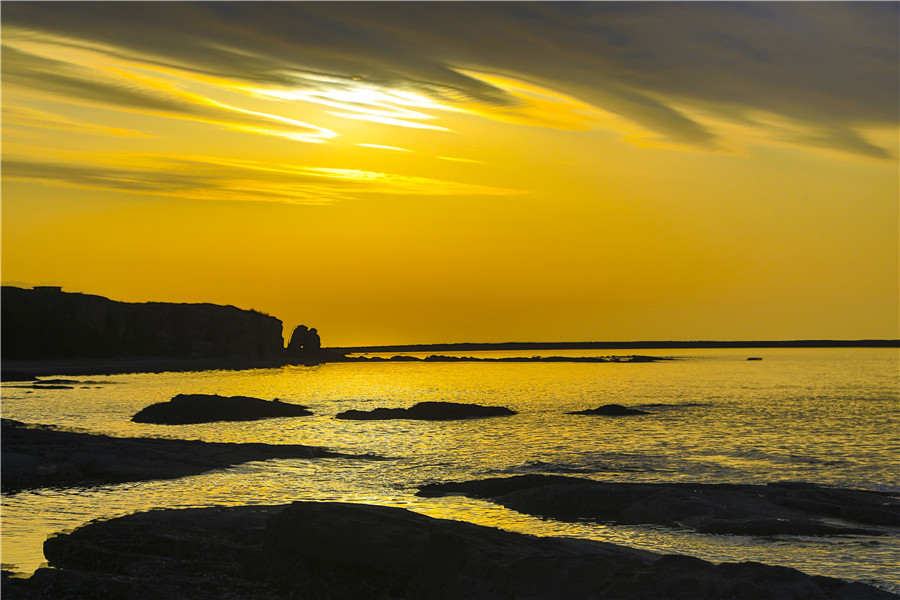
x: 36, y: 456
x: 351, y: 551
x: 777, y: 508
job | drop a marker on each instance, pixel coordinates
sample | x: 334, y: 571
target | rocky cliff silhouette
x: 48, y: 323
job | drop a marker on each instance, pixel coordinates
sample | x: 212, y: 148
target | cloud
x: 842, y: 138
x: 223, y: 179
x: 831, y: 65
x: 383, y: 147
x: 138, y: 94
x: 22, y: 116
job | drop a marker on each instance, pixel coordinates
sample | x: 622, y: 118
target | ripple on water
x: 820, y: 415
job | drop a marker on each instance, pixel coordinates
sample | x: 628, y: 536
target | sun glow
x: 367, y: 103
x: 525, y: 178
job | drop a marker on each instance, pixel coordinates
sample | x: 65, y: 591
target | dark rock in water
x: 611, y: 410
x: 428, y: 411
x: 335, y: 551
x: 773, y: 509
x: 36, y: 456
x: 203, y: 408
x: 303, y: 341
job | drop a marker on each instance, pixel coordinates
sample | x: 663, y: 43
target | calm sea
x: 827, y: 416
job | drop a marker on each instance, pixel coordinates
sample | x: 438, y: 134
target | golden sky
x: 423, y: 172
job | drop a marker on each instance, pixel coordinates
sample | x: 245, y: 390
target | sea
x: 827, y: 416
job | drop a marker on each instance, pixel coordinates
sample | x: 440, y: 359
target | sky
x: 426, y: 172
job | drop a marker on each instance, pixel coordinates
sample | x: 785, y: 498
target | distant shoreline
x: 25, y: 370
x: 476, y: 347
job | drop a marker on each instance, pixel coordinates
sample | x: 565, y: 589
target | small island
x: 208, y: 408
x: 611, y: 410
x: 428, y: 411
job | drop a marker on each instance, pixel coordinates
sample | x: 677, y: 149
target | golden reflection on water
x: 820, y: 416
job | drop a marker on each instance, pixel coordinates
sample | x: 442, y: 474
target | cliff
x: 46, y: 323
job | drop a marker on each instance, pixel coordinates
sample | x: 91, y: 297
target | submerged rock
x: 428, y: 411
x: 611, y: 410
x: 336, y: 551
x: 773, y: 509
x: 203, y: 408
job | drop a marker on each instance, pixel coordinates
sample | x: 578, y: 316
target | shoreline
x: 29, y: 370
x: 39, y: 456
x: 646, y: 345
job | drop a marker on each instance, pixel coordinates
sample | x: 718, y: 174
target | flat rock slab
x: 428, y: 411
x: 336, y: 551
x: 204, y: 408
x: 762, y: 510
x: 39, y: 456
x: 611, y: 410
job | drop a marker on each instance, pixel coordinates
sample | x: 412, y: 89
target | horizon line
x: 648, y: 344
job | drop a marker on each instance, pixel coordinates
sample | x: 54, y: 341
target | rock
x: 17, y: 376
x: 772, y: 509
x: 47, y: 323
x: 429, y: 411
x: 203, y: 408
x: 611, y: 410
x: 336, y: 551
x: 303, y: 341
x: 36, y: 456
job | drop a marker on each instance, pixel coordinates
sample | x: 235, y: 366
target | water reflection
x: 823, y: 416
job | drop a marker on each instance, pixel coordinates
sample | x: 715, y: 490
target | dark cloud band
x: 832, y: 65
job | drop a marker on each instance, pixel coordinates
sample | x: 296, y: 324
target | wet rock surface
x: 36, y: 456
x: 761, y: 510
x: 611, y: 410
x: 204, y: 408
x: 347, y: 551
x: 428, y: 411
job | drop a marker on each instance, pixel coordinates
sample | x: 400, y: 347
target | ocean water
x: 826, y: 416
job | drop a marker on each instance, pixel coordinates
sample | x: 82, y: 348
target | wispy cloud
x: 222, y: 179
x: 383, y: 147
x: 456, y: 159
x: 124, y: 91
x: 24, y: 116
x: 367, y: 103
